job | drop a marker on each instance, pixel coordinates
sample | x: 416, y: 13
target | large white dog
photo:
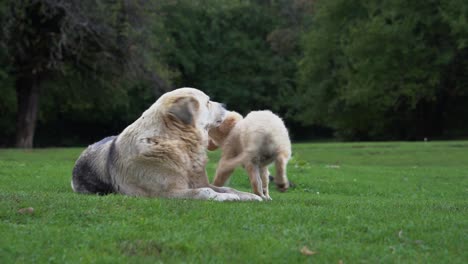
x: 162, y: 154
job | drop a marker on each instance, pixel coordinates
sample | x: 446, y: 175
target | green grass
x: 354, y: 202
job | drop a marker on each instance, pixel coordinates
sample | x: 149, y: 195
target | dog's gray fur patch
x: 88, y: 176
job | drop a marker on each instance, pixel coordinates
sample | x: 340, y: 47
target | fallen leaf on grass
x: 340, y: 262
x: 306, y: 251
x: 28, y: 210
x: 400, y: 234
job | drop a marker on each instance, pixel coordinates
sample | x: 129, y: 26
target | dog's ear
x: 212, y: 145
x: 184, y: 109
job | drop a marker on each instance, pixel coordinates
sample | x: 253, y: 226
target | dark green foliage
x: 386, y: 69
x: 360, y: 69
x: 7, y: 94
x: 89, y: 112
x: 91, y: 60
x: 228, y: 50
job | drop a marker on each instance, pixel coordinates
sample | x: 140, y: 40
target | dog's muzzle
x: 223, y: 111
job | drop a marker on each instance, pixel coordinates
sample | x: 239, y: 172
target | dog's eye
x: 208, y: 104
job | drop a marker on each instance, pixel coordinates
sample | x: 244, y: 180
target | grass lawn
x: 353, y: 203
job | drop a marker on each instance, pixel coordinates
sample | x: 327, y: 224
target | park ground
x: 392, y: 202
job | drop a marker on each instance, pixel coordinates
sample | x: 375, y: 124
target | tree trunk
x: 27, y: 96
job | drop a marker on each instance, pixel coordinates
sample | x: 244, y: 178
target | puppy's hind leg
x: 264, y: 174
x: 225, y: 169
x: 281, y: 180
x: 254, y: 175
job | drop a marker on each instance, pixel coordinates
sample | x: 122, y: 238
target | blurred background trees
x: 354, y: 70
x: 387, y: 69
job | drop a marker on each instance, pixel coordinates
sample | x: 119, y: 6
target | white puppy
x: 254, y: 142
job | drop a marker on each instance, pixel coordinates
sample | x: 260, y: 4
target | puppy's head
x: 192, y: 107
x: 218, y: 134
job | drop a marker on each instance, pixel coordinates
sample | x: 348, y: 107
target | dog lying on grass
x: 254, y: 142
x: 162, y: 154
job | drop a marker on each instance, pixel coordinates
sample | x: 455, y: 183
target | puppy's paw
x: 282, y: 187
x: 266, y: 195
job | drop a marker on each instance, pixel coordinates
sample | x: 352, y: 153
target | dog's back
x: 91, y: 173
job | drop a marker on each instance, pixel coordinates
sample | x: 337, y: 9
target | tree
x: 96, y: 40
x: 383, y: 69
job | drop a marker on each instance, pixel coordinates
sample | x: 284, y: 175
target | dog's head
x: 218, y: 134
x: 192, y: 107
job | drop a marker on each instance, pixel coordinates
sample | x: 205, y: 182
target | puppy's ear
x: 229, y: 122
x: 184, y: 109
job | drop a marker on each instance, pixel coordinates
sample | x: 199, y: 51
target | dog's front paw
x: 221, y: 197
x: 250, y: 197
